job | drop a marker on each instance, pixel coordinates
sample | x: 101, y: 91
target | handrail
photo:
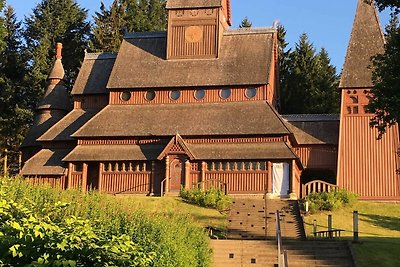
x: 317, y: 186
x: 282, y: 254
x: 215, y: 180
x: 162, y: 186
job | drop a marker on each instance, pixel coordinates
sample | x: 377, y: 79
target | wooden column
x: 101, y: 168
x: 187, y: 174
x: 166, y: 174
x: 152, y: 178
x: 270, y: 181
x: 203, y: 174
x: 293, y: 194
x: 69, y: 176
x: 84, y: 177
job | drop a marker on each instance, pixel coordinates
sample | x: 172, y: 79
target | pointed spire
x: 366, y: 41
x: 57, y: 72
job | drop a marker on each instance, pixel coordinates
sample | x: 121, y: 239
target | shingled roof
x: 199, y: 119
x: 245, y: 58
x: 242, y: 151
x: 366, y: 41
x: 177, y: 4
x: 46, y: 162
x: 68, y: 125
x: 314, y: 129
x: 94, y: 74
x: 114, y: 152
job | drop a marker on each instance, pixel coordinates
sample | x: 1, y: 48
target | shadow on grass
x: 388, y: 222
x: 374, y: 251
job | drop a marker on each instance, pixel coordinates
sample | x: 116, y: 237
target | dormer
x: 196, y: 27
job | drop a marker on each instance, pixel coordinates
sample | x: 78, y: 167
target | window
x: 225, y: 93
x: 175, y: 94
x: 200, y: 94
x: 125, y: 96
x: 150, y: 95
x: 77, y: 167
x: 354, y: 99
x: 251, y: 92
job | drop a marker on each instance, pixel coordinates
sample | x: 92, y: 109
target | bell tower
x: 195, y: 27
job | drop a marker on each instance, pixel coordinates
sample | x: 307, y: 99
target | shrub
x: 330, y: 200
x: 212, y: 198
x: 40, y: 225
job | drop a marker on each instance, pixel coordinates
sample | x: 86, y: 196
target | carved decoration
x: 193, y: 34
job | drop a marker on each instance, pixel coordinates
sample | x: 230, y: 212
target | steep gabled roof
x: 199, y: 119
x: 366, y: 41
x: 46, y: 162
x: 94, y: 73
x: 245, y: 58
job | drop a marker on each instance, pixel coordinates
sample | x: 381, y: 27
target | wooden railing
x: 317, y: 186
x: 163, y: 189
x: 282, y: 253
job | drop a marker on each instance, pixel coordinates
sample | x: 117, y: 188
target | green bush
x: 40, y: 225
x: 212, y: 198
x: 330, y: 200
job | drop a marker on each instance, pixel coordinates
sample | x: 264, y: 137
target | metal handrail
x: 282, y: 254
x: 162, y: 186
x: 215, y: 180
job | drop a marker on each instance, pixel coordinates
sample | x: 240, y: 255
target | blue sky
x: 327, y: 23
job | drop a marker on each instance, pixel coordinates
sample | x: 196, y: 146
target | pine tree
x: 246, y: 23
x: 55, y: 21
x: 14, y: 97
x: 385, y: 94
x: 283, y: 62
x: 309, y: 81
x: 126, y: 15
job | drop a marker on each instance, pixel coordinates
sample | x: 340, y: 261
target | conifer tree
x: 126, y: 15
x: 246, y: 23
x: 283, y: 62
x: 14, y: 95
x: 55, y: 21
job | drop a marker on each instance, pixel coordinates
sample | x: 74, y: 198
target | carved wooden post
x: 269, y: 180
x: 84, y: 177
x: 153, y: 178
x: 101, y: 168
x: 203, y: 174
x: 187, y: 174
x: 69, y: 176
x: 166, y: 174
x: 293, y: 193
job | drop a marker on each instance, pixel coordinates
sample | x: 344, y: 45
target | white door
x: 280, y: 177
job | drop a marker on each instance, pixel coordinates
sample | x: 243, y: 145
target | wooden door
x: 176, y: 174
x: 280, y: 177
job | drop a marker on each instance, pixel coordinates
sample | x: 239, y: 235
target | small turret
x: 53, y: 107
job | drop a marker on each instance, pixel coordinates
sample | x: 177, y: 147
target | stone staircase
x: 251, y: 238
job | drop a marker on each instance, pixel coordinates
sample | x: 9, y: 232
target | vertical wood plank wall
x: 239, y: 181
x: 125, y: 183
x: 318, y: 157
x: 367, y: 166
x: 53, y: 181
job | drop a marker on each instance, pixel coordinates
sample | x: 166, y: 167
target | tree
x: 126, y: 15
x: 385, y: 94
x: 309, y: 80
x: 382, y: 4
x: 55, y: 21
x: 14, y: 105
x: 246, y: 23
x: 283, y: 62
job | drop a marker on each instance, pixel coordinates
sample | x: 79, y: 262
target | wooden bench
x: 329, y: 233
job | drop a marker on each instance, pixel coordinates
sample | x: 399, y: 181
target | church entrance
x: 93, y: 176
x: 177, y: 174
x: 280, y: 179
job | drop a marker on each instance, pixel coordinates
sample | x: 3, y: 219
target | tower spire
x: 366, y: 41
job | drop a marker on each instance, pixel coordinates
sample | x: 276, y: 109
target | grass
x: 379, y: 231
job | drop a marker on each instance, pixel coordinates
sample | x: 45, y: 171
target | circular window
x: 225, y: 93
x: 175, y: 94
x: 251, y: 92
x: 150, y: 95
x: 125, y: 96
x: 200, y: 94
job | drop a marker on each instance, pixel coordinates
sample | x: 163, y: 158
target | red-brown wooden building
x: 195, y: 105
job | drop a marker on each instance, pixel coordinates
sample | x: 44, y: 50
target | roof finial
x: 59, y: 48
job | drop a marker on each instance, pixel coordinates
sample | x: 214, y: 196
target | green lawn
x: 379, y: 231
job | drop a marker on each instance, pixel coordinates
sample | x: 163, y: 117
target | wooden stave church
x: 198, y: 106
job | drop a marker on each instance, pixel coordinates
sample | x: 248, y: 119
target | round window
x: 225, y: 93
x: 125, y: 96
x: 251, y: 92
x: 175, y: 94
x: 150, y: 95
x: 200, y: 94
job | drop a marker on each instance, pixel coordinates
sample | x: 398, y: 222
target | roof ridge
x: 100, y: 55
x: 144, y: 35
